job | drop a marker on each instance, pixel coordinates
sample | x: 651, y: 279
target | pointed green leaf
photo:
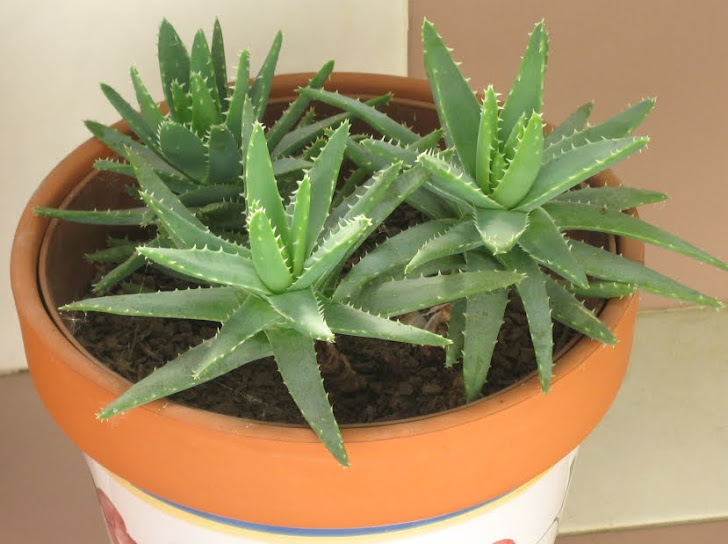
x: 532, y: 290
x: 374, y: 118
x: 614, y: 198
x: 201, y: 196
x: 174, y: 64
x: 390, y: 152
x: 217, y: 51
x: 344, y: 319
x: 224, y: 156
x: 297, y: 108
x: 176, y: 375
x: 452, y: 182
x: 409, y: 295
x: 500, y: 229
x: 201, y: 64
x: 332, y: 251
x: 394, y: 252
x: 150, y: 110
x: 572, y: 313
x: 461, y: 237
x: 289, y: 165
x: 296, y: 359
x: 269, y: 256
x: 114, y: 254
x: 543, y: 241
x: 133, y: 216
x: 205, y: 112
x: 487, y: 139
x: 526, y: 96
x: 604, y: 265
x: 456, y: 104
x: 260, y: 183
x: 184, y: 150
x: 455, y: 333
x: 619, y: 126
x: 118, y: 273
x: 427, y: 202
x: 261, y: 86
x: 215, y: 267
x: 182, y: 104
x: 135, y: 121
x: 524, y: 167
x: 302, y: 311
x: 207, y: 303
x: 246, y: 320
x: 509, y: 147
x: 603, y: 289
x: 575, y: 166
x: 573, y: 216
x: 299, y: 224
x: 575, y: 122
x: 234, y: 116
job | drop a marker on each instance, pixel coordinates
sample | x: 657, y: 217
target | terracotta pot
x: 272, y: 475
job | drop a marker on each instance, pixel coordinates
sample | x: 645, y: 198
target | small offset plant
x: 508, y: 184
x: 266, y: 220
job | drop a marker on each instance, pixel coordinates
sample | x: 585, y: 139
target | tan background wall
x: 616, y: 53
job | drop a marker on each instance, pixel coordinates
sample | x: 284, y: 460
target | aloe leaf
x: 296, y: 359
x: 234, y: 115
x: 111, y: 165
x: 118, y: 273
x: 176, y: 375
x: 182, y: 104
x: 224, y: 156
x: 509, y: 147
x: 614, y: 198
x: 487, y: 139
x: 572, y: 216
x: 149, y: 108
x: 289, y: 165
x: 409, y: 295
x: 619, y: 126
x: 425, y: 201
x: 201, y: 63
x: 575, y: 122
x: 330, y: 253
x: 302, y: 311
x: 261, y: 186
x: 543, y: 241
x: 179, y: 223
x: 323, y: 176
x: 575, y: 166
x: 455, y: 332
x: 390, y: 152
x: 604, y: 265
x: 246, y: 130
x: 532, y: 290
x: 207, y: 303
x: 427, y: 142
x: 174, y: 63
x: 201, y: 196
x: 394, y: 252
x: 205, y: 112
x: 366, y: 158
x: 448, y: 180
x: 345, y: 319
x: 297, y: 108
x: 374, y: 118
x: 215, y: 267
x: 247, y: 319
x: 217, y: 51
x: 184, y: 150
x: 223, y: 215
x: 269, y: 257
x: 260, y: 90
x: 500, y: 230
x: 133, y: 216
x: 299, y: 225
x: 461, y: 237
x: 526, y: 95
x: 572, y: 313
x: 456, y: 104
x: 603, y: 289
x: 115, y: 254
x: 524, y: 166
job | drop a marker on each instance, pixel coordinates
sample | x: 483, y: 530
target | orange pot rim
x: 67, y: 364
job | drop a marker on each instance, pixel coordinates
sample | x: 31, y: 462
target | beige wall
x: 617, y: 53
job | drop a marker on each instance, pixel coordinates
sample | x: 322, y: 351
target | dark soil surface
x: 368, y: 380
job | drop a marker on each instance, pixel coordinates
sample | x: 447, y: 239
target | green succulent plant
x: 508, y: 184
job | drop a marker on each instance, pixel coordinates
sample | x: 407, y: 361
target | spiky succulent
x: 272, y: 296
x: 507, y: 183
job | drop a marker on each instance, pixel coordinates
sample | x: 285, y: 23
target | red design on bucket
x: 114, y: 521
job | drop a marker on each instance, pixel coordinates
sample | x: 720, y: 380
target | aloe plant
x: 271, y: 296
x: 507, y: 187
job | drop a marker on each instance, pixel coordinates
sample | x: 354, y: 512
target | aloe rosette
x: 509, y: 192
x: 273, y: 295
